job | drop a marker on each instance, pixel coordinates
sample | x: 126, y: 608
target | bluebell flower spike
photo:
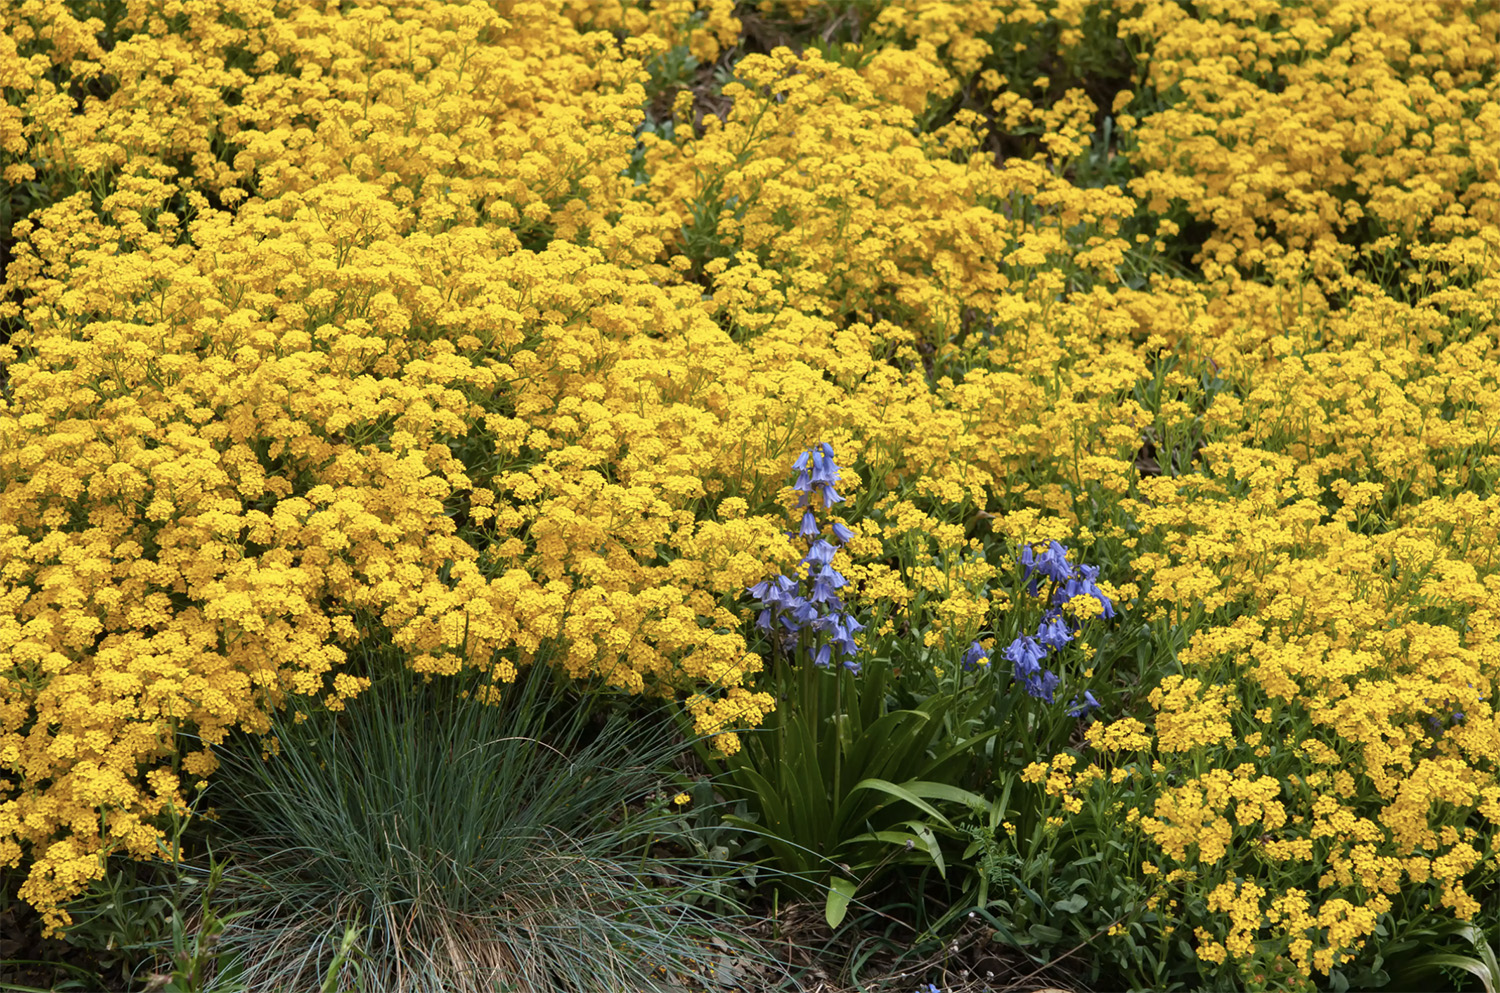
x: 1044, y: 686
x: 824, y: 469
x: 821, y: 552
x: 820, y: 610
x: 1025, y: 655
x: 1053, y: 633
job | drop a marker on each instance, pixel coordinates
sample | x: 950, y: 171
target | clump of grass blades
x: 422, y: 840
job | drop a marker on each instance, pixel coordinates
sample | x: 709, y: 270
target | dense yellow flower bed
x: 355, y: 322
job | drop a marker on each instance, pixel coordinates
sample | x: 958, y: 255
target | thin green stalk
x: 838, y: 738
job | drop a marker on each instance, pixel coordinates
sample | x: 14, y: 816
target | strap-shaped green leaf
x: 811, y: 811
x: 919, y: 834
x: 1422, y: 968
x: 944, y: 791
x: 902, y: 793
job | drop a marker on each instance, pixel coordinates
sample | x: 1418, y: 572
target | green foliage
x: 843, y: 788
x: 1426, y: 960
x: 1048, y: 884
x: 151, y: 925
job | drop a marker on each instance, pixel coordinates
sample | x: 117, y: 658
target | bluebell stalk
x: 811, y: 603
x: 1028, y: 653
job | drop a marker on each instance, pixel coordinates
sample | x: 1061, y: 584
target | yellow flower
x: 394, y: 347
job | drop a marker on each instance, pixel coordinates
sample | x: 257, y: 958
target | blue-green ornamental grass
x: 426, y: 841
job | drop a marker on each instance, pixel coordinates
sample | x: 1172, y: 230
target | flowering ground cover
x: 1039, y: 456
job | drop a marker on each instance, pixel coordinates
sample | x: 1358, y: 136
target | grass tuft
x: 421, y: 840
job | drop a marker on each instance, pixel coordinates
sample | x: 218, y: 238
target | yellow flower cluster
x: 704, y: 27
x: 1334, y: 559
x: 1295, y: 131
x: 355, y: 325
x: 391, y: 284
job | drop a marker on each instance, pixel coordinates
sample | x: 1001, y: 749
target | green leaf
x: 840, y: 892
x: 803, y: 772
x: 999, y: 808
x: 1426, y: 964
x: 1045, y: 933
x: 945, y: 791
x: 1486, y: 955
x: 890, y: 837
x: 959, y: 749
x: 1003, y: 930
x: 1029, y: 893
x: 793, y: 857
x: 902, y: 793
x: 888, y: 739
x: 930, y: 842
x: 1072, y: 904
x: 920, y: 834
x: 770, y: 799
x: 1419, y: 970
